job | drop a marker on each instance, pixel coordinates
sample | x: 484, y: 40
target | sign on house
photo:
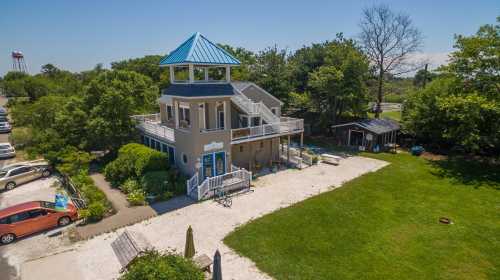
x: 213, y: 146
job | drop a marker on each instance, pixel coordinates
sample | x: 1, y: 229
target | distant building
x: 368, y: 135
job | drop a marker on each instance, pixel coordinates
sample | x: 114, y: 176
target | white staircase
x: 254, y: 109
x: 232, y: 181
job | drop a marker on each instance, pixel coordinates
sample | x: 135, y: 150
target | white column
x: 191, y: 73
x: 172, y: 74
x: 206, y: 73
x: 228, y: 73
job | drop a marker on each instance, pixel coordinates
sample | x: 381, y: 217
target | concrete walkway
x: 211, y: 222
x: 124, y: 215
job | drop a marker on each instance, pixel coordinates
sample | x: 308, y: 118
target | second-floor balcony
x: 284, y: 127
x: 151, y: 124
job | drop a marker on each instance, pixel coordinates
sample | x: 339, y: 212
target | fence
x: 76, y: 197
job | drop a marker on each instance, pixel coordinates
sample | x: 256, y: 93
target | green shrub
x: 130, y: 185
x: 156, y: 265
x: 133, y: 161
x: 155, y: 182
x: 21, y: 137
x: 98, y: 204
x: 96, y: 211
x: 136, y: 198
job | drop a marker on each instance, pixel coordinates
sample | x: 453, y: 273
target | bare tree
x: 388, y: 39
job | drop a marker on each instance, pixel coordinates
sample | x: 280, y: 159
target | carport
x: 368, y: 135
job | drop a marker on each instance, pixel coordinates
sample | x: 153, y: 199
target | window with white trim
x: 170, y: 112
x: 184, y: 118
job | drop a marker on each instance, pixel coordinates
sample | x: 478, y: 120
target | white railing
x: 192, y: 184
x: 237, y: 179
x: 253, y: 108
x: 148, y: 118
x: 246, y: 104
x: 151, y: 124
x: 289, y: 126
x: 267, y: 115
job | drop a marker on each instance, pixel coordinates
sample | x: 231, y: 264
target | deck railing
x: 151, y: 124
x: 237, y: 179
x: 283, y: 127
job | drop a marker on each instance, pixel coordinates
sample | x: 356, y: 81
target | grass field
x: 384, y: 225
x: 395, y: 115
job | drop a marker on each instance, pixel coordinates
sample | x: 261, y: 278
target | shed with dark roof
x: 370, y: 135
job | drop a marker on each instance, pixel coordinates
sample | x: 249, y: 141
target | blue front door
x: 213, y: 164
x: 220, y: 163
x: 208, y: 166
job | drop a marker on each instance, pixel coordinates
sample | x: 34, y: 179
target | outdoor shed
x: 368, y: 135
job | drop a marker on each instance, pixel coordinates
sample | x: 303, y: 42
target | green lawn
x: 384, y: 225
x: 395, y: 115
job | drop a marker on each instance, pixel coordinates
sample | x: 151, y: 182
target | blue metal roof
x: 199, y: 90
x: 199, y: 50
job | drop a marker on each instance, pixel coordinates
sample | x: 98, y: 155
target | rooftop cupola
x: 198, y: 60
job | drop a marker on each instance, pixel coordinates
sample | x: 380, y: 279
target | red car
x: 31, y: 217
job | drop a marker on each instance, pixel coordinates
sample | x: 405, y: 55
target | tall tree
x: 388, y: 39
x: 271, y: 72
x: 460, y: 108
x: 247, y: 59
x: 339, y: 86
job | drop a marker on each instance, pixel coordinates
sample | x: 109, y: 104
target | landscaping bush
x: 96, y: 211
x: 98, y: 205
x: 130, y: 185
x: 136, y: 197
x: 133, y: 161
x: 155, y: 182
x: 153, y: 265
x: 159, y: 182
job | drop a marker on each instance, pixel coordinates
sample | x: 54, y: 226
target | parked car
x: 5, y: 127
x: 3, y: 111
x: 31, y: 217
x: 4, y: 119
x: 7, y: 151
x: 14, y: 175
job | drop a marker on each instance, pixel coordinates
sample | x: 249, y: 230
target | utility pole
x: 425, y: 76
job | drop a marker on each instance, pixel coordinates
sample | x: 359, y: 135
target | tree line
x: 326, y: 83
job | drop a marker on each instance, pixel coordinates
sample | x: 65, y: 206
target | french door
x: 214, y: 164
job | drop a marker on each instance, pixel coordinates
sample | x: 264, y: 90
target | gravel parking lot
x: 211, y: 222
x: 34, y: 246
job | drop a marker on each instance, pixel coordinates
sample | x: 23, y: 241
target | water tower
x: 18, y: 63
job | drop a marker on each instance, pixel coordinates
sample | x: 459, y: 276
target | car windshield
x: 46, y: 204
x: 4, y: 147
x: 2, y: 173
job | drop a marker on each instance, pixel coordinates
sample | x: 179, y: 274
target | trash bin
x: 417, y: 150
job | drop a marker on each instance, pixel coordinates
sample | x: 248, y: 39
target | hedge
x: 98, y: 204
x: 156, y: 265
x: 133, y: 161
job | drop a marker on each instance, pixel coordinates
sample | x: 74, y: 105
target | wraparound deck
x: 286, y: 126
x: 151, y: 124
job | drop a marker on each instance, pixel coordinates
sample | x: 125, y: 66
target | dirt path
x: 124, y: 215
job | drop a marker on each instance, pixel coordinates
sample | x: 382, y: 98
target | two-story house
x: 211, y: 126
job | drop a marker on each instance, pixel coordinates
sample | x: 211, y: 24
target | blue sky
x: 76, y: 35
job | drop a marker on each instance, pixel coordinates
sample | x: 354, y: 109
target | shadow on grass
x: 476, y: 173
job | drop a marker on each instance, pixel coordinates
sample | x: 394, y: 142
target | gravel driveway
x: 94, y: 259
x: 34, y: 246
